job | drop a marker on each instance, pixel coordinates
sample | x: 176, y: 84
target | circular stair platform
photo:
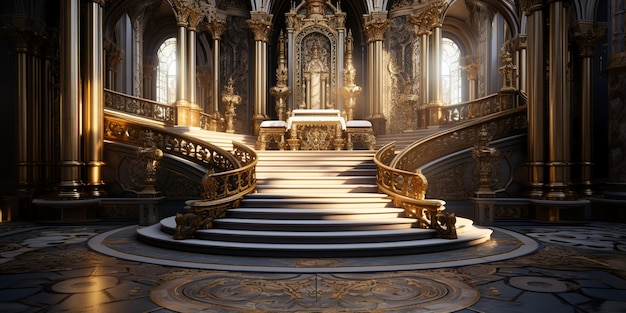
x: 338, y: 243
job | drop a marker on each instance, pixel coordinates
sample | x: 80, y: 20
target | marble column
x: 558, y: 184
x: 182, y: 102
x: 535, y: 82
x: 261, y: 25
x: 435, y: 66
x: 375, y: 26
x: 70, y: 186
x: 93, y: 99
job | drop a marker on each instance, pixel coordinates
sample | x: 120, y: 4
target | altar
x: 316, y: 130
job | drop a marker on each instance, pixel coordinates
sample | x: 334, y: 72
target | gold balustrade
x: 199, y: 152
x: 221, y: 191
x: 140, y: 107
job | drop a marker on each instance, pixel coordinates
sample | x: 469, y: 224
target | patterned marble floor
x: 102, y: 268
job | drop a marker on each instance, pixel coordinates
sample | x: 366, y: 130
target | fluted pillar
x: 585, y: 37
x: 93, y: 102
x: 520, y: 60
x: 194, y: 109
x: 70, y: 185
x: 138, y: 23
x: 535, y: 82
x: 558, y: 106
x: 375, y: 26
x: 35, y: 107
x: 24, y: 183
x: 261, y: 25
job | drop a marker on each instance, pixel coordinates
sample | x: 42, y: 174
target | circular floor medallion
x: 258, y: 292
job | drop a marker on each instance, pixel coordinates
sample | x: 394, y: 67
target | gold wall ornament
x: 230, y: 100
x: 281, y: 91
x: 508, y: 70
x: 350, y: 90
x: 485, y: 157
x: 150, y: 155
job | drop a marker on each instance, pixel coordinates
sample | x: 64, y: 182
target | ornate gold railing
x: 140, y: 107
x: 498, y: 102
x: 407, y: 189
x: 221, y: 191
x: 499, y: 125
x: 199, y: 152
x: 230, y: 175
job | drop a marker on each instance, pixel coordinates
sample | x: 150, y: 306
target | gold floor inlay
x: 256, y: 292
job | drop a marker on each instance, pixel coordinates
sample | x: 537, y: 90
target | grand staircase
x: 314, y: 204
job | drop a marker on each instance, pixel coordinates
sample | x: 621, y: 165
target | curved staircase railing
x: 407, y: 190
x: 230, y: 175
x: 499, y: 125
x: 199, y: 152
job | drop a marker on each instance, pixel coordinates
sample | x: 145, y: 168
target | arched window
x: 451, y: 72
x: 166, y: 72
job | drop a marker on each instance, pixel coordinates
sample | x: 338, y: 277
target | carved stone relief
x: 403, y: 70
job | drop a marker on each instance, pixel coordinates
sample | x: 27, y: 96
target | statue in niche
x: 316, y: 84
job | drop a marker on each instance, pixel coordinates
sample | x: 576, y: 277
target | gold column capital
x: 375, y: 26
x: 472, y: 71
x: 217, y: 26
x: 261, y: 24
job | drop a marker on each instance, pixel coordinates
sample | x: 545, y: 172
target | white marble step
x: 472, y: 236
x: 347, y: 213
